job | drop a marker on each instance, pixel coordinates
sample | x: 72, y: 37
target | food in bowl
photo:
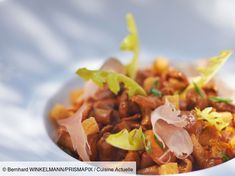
x: 165, y: 121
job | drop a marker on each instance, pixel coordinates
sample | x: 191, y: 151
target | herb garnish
x: 198, y: 90
x: 225, y: 157
x: 220, y: 99
x: 158, y: 142
x: 147, y: 144
x: 155, y: 92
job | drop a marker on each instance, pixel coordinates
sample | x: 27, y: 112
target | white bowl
x: 61, y: 96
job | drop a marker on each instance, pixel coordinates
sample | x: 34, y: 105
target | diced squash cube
x: 169, y: 168
x: 160, y: 65
x: 75, y: 94
x: 149, y: 83
x: 59, y: 112
x: 90, y: 126
x: 233, y: 120
x: 232, y: 142
x: 174, y: 99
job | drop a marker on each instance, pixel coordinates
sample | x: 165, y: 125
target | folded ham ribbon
x: 168, y: 126
x: 75, y: 129
x: 89, y: 90
x: 73, y: 124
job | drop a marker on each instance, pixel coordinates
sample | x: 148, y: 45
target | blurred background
x: 42, y: 43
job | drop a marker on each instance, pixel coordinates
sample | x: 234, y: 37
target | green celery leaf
x: 208, y: 72
x: 218, y: 119
x: 125, y: 140
x: 131, y: 43
x: 113, y: 81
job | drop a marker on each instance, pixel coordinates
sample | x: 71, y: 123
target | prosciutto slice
x: 73, y: 124
x: 168, y: 126
x: 78, y: 136
x: 114, y: 65
x: 90, y: 89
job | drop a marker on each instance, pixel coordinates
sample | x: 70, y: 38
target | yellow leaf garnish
x: 113, y: 81
x: 131, y: 43
x: 215, y: 63
x: 218, y: 119
x: 208, y: 72
x: 125, y: 140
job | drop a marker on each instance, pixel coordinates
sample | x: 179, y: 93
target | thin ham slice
x: 90, y: 89
x: 168, y: 126
x: 73, y: 124
x: 78, y: 136
x: 114, y: 65
x: 162, y: 157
